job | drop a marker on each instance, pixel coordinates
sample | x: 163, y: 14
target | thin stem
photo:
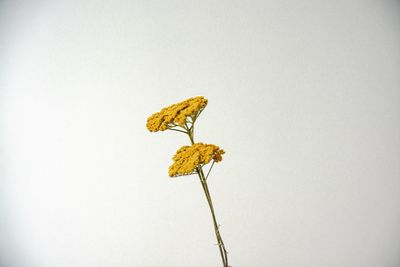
x: 209, y: 170
x: 190, y: 134
x: 197, y: 115
x: 221, y: 246
x: 177, y: 130
x: 216, y: 228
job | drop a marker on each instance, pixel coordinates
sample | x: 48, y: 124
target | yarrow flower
x: 176, y: 114
x: 181, y: 117
x: 188, y: 158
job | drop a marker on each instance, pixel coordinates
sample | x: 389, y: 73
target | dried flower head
x: 176, y: 114
x: 188, y: 158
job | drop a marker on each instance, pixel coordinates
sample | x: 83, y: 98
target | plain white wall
x: 303, y: 96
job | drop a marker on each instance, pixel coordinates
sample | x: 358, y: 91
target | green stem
x: 209, y: 170
x: 221, y: 246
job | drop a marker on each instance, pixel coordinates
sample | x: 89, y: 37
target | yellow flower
x: 188, y: 158
x: 176, y: 114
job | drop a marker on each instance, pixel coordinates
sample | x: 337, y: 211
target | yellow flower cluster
x: 188, y: 158
x: 176, y: 114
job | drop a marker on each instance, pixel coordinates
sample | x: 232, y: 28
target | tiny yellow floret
x: 176, y: 114
x: 188, y: 158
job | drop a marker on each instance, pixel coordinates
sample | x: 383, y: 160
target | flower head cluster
x: 188, y: 158
x: 176, y: 114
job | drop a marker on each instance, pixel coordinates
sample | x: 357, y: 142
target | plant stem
x: 209, y: 170
x: 221, y: 246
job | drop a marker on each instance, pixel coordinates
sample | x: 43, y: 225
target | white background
x: 303, y: 96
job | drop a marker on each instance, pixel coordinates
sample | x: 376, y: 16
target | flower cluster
x: 188, y: 158
x: 176, y: 114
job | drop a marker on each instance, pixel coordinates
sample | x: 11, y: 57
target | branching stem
x: 203, y: 181
x: 177, y: 130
